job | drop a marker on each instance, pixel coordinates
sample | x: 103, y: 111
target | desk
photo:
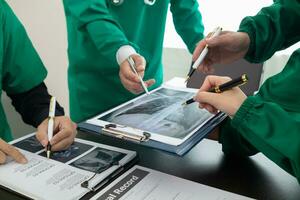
x: 255, y: 177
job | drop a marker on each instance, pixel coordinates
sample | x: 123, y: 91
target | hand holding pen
x: 132, y: 72
x: 221, y: 93
x: 197, y: 60
x: 226, y: 48
x: 56, y: 133
x: 133, y: 68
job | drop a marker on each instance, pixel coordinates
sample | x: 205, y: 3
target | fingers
x: 2, y: 157
x: 199, y: 48
x: 224, y: 39
x: 41, y: 134
x: 11, y: 151
x: 127, y: 72
x: 61, y: 141
x: 129, y: 78
x: 65, y: 135
x: 150, y: 82
x: 210, y: 59
x: 208, y: 107
x: 206, y: 66
x: 133, y: 87
x: 140, y: 64
x: 208, y: 100
x: 212, y: 81
x: 225, y: 48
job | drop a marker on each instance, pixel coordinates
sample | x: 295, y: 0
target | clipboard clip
x: 126, y: 133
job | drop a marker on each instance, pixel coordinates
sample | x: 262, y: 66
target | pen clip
x: 114, y: 130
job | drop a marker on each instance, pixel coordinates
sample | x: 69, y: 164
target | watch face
x: 117, y: 2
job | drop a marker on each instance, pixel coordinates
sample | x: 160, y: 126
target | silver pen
x: 133, y: 68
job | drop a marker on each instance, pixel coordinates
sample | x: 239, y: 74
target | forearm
x: 274, y: 28
x: 188, y: 22
x: 33, y: 105
x: 271, y: 130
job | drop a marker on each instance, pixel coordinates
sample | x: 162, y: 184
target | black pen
x: 226, y: 86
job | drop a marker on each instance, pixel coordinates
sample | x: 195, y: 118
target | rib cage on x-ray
x: 161, y: 113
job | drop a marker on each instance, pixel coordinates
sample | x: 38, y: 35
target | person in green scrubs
x: 22, y: 73
x: 268, y: 122
x: 102, y: 34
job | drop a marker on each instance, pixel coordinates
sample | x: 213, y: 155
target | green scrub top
x: 97, y: 29
x: 269, y: 122
x: 20, y: 66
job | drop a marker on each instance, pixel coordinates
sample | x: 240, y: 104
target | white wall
x: 44, y: 21
x: 227, y: 14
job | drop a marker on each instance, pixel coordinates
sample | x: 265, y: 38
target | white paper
x: 140, y: 183
x: 61, y: 176
x: 161, y: 114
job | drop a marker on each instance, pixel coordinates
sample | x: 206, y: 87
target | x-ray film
x: 161, y: 114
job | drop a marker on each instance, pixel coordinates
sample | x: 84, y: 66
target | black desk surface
x: 255, y: 177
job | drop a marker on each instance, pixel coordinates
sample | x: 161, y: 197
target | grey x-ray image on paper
x: 161, y: 112
x: 30, y: 144
x: 98, y: 160
x: 76, y: 149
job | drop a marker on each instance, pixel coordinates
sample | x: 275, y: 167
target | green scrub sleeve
x: 22, y: 67
x: 271, y: 130
x: 187, y: 21
x: 105, y: 32
x: 274, y: 28
x: 232, y: 142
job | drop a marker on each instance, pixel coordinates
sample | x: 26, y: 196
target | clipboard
x: 145, y: 139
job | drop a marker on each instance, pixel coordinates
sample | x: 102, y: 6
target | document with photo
x: 64, y: 173
x: 140, y: 183
x: 160, y: 114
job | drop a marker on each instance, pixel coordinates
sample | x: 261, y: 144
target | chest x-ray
x: 161, y: 113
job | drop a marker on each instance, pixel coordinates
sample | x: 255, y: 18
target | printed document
x: 141, y: 183
x: 62, y: 174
